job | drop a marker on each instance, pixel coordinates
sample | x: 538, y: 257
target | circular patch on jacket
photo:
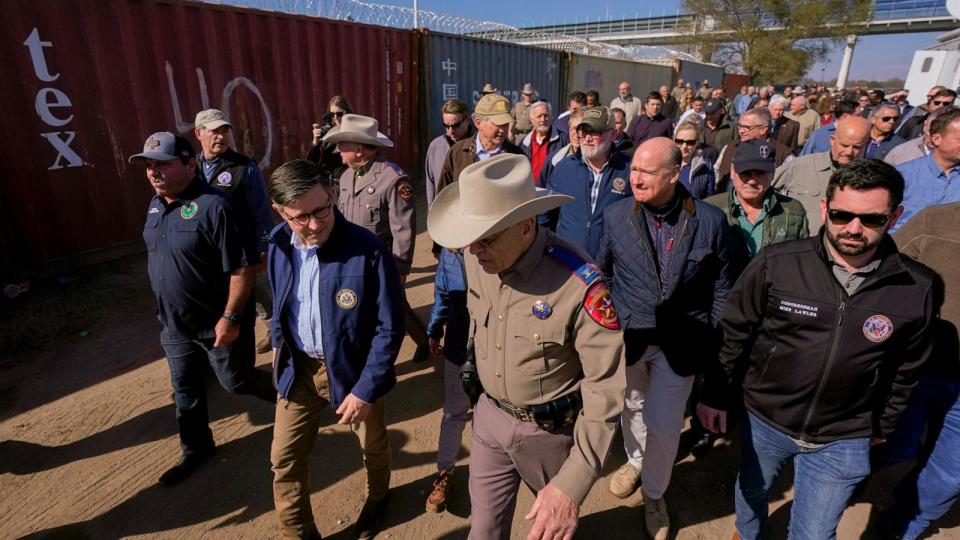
x: 405, y: 190
x: 541, y: 309
x: 599, y: 305
x: 877, y: 328
x: 346, y: 298
x: 370, y: 190
x: 187, y: 211
x: 619, y: 184
x: 224, y: 179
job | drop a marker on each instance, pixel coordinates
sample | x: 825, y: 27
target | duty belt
x: 556, y: 414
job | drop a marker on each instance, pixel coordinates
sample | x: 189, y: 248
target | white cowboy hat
x: 490, y: 196
x: 358, y: 129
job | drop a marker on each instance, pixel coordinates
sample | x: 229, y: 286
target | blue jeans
x: 927, y: 497
x: 928, y: 402
x: 824, y: 480
x: 234, y: 367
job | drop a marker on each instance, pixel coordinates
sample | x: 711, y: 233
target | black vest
x: 228, y: 177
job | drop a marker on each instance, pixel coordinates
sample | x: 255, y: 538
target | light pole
x: 416, y: 14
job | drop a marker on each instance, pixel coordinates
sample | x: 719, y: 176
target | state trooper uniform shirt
x: 546, y: 328
x: 380, y: 198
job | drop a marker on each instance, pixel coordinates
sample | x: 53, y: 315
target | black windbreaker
x: 819, y: 364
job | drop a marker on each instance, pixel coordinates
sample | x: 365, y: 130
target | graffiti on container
x: 449, y: 66
x: 450, y: 91
x: 48, y: 99
x: 594, y: 79
x: 228, y: 90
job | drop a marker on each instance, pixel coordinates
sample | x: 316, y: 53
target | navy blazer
x: 362, y: 332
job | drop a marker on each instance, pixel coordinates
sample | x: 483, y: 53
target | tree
x: 774, y: 40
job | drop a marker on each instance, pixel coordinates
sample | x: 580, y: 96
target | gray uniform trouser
x: 504, y: 451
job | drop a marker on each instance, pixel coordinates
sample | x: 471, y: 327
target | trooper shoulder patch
x: 405, y: 189
x: 586, y: 271
x: 599, y: 305
x: 396, y: 168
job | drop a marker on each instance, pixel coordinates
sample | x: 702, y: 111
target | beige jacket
x: 528, y: 360
x: 805, y: 179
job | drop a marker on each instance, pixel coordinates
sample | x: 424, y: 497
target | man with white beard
x: 607, y: 174
x: 542, y: 142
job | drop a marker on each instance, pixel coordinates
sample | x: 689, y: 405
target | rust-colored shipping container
x: 88, y: 80
x: 732, y: 83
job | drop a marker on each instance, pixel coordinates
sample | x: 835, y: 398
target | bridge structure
x: 887, y: 17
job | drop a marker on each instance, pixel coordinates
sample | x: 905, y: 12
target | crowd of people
x: 606, y: 268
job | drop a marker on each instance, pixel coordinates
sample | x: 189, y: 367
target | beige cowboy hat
x: 490, y: 196
x: 358, y: 129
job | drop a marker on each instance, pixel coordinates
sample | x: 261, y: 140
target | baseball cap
x: 596, y: 118
x: 755, y: 155
x: 164, y: 146
x: 712, y: 105
x: 211, y: 119
x: 494, y: 108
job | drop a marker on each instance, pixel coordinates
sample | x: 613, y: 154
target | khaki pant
x: 294, y: 433
x: 503, y: 452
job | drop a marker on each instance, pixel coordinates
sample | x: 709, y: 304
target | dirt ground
x: 87, y: 426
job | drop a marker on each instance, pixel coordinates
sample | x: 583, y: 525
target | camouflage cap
x: 495, y: 108
x: 597, y: 118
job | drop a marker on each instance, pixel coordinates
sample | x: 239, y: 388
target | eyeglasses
x: 490, y: 241
x: 454, y: 125
x: 584, y: 132
x: 889, y: 118
x: 748, y: 128
x: 339, y: 114
x: 843, y: 217
x: 942, y: 103
x: 687, y: 142
x: 304, y: 219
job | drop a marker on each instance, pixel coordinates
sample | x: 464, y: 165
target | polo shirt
x: 193, y: 244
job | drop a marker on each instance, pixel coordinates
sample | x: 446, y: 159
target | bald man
x: 651, y: 270
x: 805, y: 178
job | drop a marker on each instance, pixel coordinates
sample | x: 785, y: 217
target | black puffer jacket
x: 822, y: 365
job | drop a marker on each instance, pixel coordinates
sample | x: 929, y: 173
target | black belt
x: 303, y: 357
x: 556, y: 414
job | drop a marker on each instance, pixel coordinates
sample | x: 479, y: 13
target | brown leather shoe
x: 437, y: 500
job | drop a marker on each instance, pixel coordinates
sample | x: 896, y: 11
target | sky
x: 874, y: 57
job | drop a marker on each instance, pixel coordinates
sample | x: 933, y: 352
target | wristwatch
x: 232, y: 317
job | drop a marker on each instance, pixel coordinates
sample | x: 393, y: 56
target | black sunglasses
x: 889, y: 118
x: 339, y: 114
x: 455, y: 125
x: 688, y: 142
x: 942, y: 103
x: 843, y: 217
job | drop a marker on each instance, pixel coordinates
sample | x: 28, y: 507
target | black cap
x: 712, y: 105
x: 755, y: 155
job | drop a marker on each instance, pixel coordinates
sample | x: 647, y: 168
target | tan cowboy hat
x: 358, y: 129
x: 490, y: 196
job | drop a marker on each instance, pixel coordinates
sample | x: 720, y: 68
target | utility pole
x: 416, y: 14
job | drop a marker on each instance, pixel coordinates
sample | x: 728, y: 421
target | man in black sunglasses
x: 826, y: 335
x: 942, y: 97
x: 882, y: 139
